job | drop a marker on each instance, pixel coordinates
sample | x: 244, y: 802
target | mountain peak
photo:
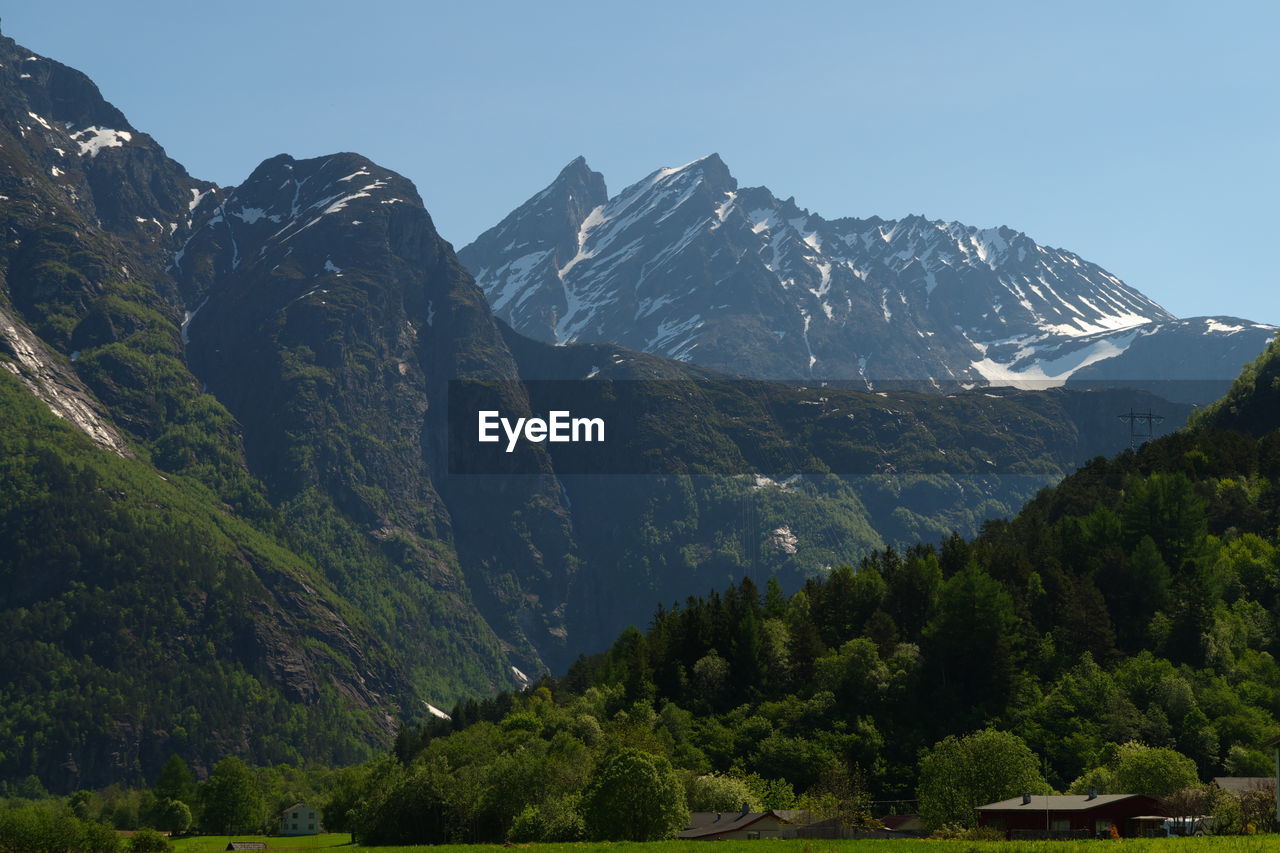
x: 578, y: 180
x: 711, y: 161
x: 341, y: 174
x: 58, y: 92
x: 685, y: 264
x: 576, y: 166
x: 710, y: 168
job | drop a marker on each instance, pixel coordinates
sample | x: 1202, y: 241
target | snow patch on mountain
x: 94, y: 139
x: 1039, y: 368
x: 1215, y: 326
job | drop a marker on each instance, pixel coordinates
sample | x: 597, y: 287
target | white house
x: 299, y: 819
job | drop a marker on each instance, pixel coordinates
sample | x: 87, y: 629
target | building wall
x: 1089, y: 820
x: 301, y: 821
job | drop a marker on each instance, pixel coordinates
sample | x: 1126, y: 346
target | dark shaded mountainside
x: 148, y: 611
x: 687, y: 264
x: 1125, y: 618
x: 227, y: 523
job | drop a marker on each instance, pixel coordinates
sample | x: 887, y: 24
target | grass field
x: 1232, y: 844
x: 211, y: 843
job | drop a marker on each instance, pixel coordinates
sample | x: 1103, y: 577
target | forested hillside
x: 170, y: 626
x: 1133, y: 606
x: 1250, y: 405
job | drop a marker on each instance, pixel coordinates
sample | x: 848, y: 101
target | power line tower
x: 1141, y: 426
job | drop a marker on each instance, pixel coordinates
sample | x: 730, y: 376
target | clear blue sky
x: 1142, y: 135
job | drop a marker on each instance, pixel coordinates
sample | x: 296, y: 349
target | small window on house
x: 1102, y: 827
x: 996, y: 823
x: 753, y: 836
x: 1060, y: 825
x: 311, y: 826
x: 295, y: 815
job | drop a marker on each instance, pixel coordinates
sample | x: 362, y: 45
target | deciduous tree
x: 230, y: 799
x: 634, y: 796
x: 959, y: 774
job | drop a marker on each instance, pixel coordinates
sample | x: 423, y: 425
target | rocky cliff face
x: 325, y: 281
x: 88, y: 158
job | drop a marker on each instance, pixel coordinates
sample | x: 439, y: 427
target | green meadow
x: 341, y: 841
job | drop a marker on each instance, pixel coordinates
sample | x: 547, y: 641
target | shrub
x: 557, y: 820
x: 718, y: 793
x: 959, y: 832
x: 1258, y: 808
x: 149, y: 841
x: 50, y: 828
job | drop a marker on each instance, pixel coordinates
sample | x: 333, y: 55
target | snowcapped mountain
x: 687, y: 264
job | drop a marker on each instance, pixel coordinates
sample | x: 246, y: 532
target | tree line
x: 1121, y: 629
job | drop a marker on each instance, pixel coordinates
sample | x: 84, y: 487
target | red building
x: 1069, y: 815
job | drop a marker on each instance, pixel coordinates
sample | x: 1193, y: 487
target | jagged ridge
x: 687, y: 264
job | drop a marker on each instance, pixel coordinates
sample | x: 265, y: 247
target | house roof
x: 702, y: 824
x: 1055, y: 803
x: 1239, y: 784
x: 296, y: 806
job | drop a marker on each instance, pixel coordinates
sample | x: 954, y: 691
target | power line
x: 1141, y: 425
